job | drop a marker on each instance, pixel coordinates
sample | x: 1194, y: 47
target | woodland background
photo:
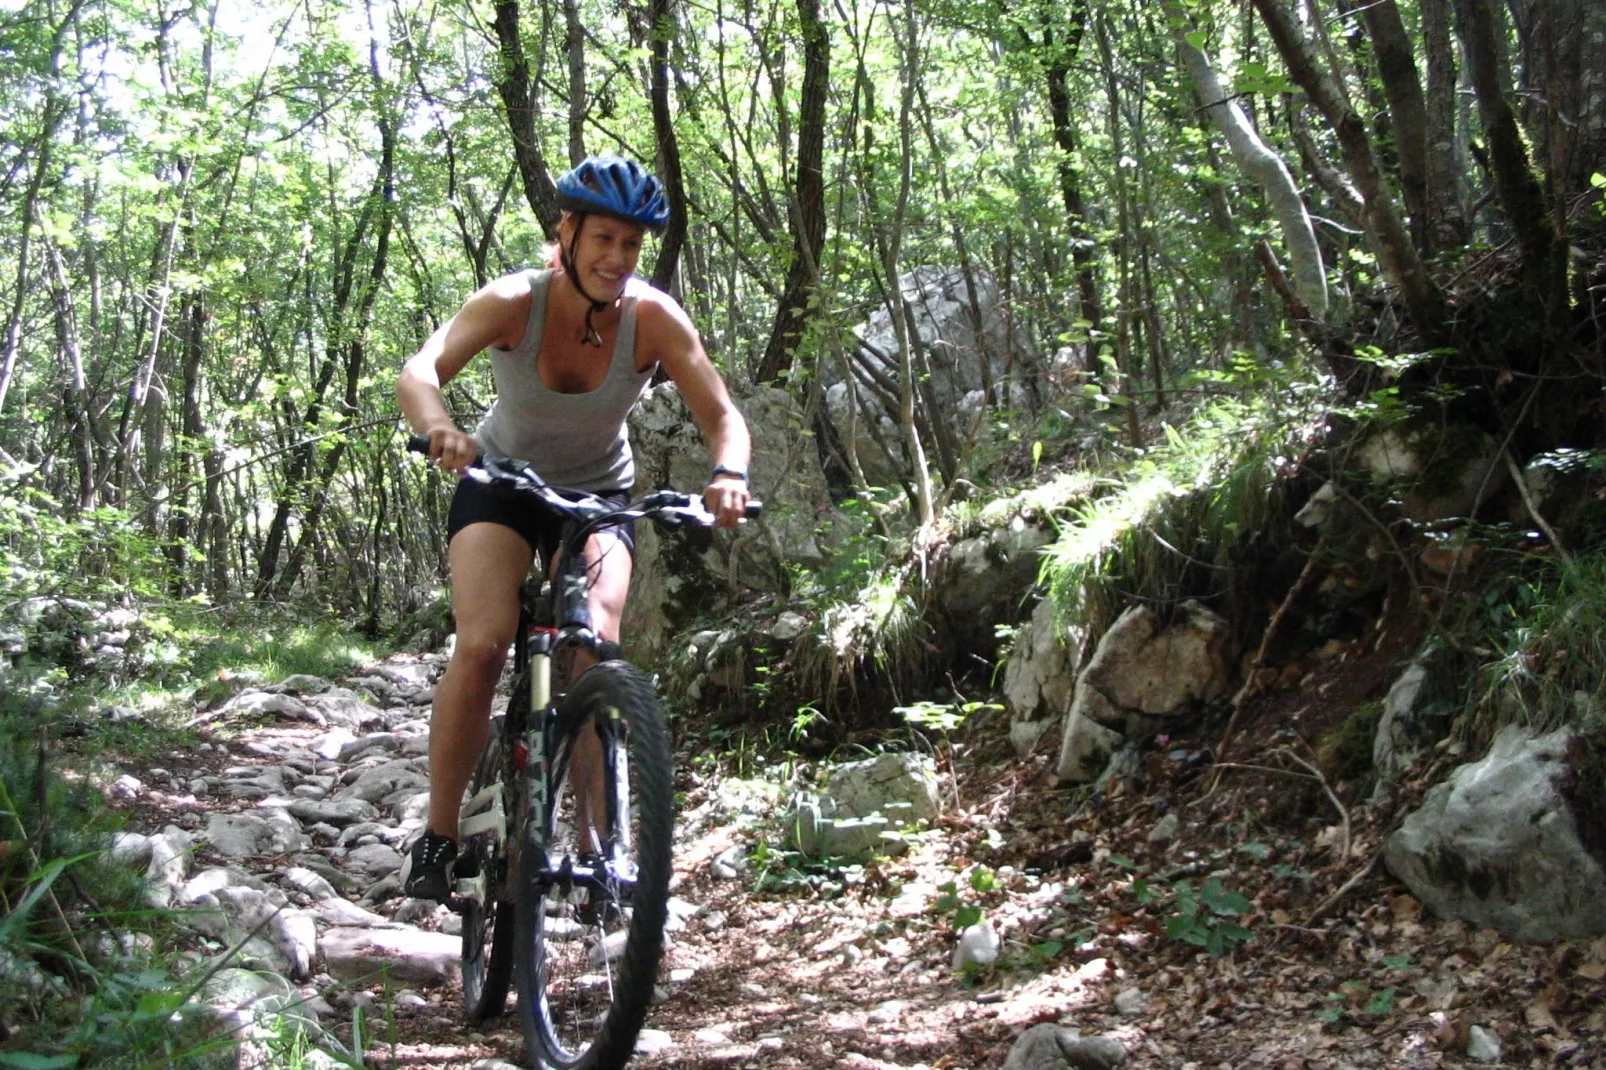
x: 225, y: 226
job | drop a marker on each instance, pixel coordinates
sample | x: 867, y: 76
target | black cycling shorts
x: 476, y: 503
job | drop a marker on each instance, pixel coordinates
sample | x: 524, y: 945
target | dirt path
x: 803, y: 970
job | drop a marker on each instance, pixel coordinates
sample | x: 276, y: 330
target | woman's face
x: 607, y: 253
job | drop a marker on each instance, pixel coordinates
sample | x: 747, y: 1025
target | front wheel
x: 488, y: 925
x: 594, y: 879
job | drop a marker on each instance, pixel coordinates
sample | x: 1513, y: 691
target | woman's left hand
x: 726, y: 497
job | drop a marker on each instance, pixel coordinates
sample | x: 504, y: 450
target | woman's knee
x: 481, y: 652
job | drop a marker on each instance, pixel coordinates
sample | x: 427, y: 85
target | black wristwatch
x: 722, y: 470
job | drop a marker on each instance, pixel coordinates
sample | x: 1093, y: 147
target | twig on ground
x: 1266, y: 637
x: 1533, y: 509
x: 1332, y: 796
x: 1349, y: 885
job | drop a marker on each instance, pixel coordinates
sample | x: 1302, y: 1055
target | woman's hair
x: 551, y: 255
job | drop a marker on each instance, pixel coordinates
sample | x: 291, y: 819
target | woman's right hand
x: 452, y: 449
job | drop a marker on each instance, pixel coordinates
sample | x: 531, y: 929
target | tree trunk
x: 1446, y: 209
x: 663, y: 123
x: 1262, y: 165
x: 514, y: 87
x: 796, y: 309
x: 575, y: 49
x: 1396, y: 66
x: 1516, y: 187
x: 1390, y: 242
x: 1058, y: 60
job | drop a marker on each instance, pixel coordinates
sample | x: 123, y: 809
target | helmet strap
x: 589, y: 336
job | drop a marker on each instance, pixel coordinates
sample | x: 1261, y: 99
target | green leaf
x: 1382, y: 1002
x: 967, y: 916
x: 27, y: 1060
x: 1196, y: 38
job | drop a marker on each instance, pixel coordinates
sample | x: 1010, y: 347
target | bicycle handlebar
x: 668, y: 507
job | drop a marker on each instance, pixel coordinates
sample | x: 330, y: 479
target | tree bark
x: 1262, y: 165
x: 796, y: 309
x: 1516, y: 187
x: 1446, y: 209
x: 1392, y: 245
x: 513, y: 84
x: 1396, y: 66
x: 1057, y: 60
x: 575, y: 49
x: 663, y: 123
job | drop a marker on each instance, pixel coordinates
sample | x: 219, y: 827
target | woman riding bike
x: 572, y: 348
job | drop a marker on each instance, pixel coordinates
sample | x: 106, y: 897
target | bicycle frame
x: 539, y: 653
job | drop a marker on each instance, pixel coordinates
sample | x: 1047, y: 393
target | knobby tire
x: 576, y: 1014
x: 489, y: 927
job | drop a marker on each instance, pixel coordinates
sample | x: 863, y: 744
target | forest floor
x: 1329, y: 963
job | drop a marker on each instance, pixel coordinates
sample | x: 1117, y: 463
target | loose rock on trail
x: 283, y: 833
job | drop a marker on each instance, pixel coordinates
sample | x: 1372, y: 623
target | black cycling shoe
x: 427, y: 873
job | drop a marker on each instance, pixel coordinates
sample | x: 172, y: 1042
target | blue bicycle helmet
x: 617, y: 187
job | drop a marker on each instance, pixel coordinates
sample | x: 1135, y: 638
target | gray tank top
x: 572, y: 440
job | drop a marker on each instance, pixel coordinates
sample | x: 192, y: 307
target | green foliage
x: 1175, y: 522
x: 83, y: 984
x: 942, y: 717
x: 1549, y: 635
x: 1204, y: 917
x: 1347, y: 747
x: 961, y: 908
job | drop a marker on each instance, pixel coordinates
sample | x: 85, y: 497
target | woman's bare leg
x: 610, y: 566
x: 488, y: 563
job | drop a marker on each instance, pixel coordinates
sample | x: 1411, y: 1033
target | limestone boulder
x: 863, y: 805
x: 1142, y: 674
x: 1498, y: 845
x: 686, y: 573
x: 1040, y: 676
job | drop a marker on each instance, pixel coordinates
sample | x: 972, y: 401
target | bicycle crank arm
x: 471, y: 889
x: 493, y: 821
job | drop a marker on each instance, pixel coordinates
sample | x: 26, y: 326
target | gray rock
x: 383, y: 781
x: 1497, y: 844
x: 331, y: 743
x: 309, y: 883
x: 247, y: 835
x: 1040, y: 676
x: 653, y: 1041
x: 234, y: 987
x: 297, y: 933
x: 1482, y: 1045
x: 1131, y: 1003
x: 131, y: 849
x: 864, y: 804
x: 338, y: 811
x: 1398, y: 738
x: 267, y: 704
x: 342, y: 708
x: 171, y: 852
x: 1166, y: 829
x: 405, y: 955
x: 1140, y: 675
x: 374, y: 860
x: 978, y: 945
x: 1054, y: 1047
x: 304, y: 684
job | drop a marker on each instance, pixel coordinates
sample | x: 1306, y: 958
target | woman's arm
x: 496, y: 315
x: 673, y: 342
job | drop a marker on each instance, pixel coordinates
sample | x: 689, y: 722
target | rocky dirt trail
x: 283, y: 832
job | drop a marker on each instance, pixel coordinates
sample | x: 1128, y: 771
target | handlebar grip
x: 754, y: 509
x: 418, y: 443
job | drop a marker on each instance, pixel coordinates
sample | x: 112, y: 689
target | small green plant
x: 960, y: 910
x: 1204, y: 917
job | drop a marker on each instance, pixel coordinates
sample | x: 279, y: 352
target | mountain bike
x: 566, y: 898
